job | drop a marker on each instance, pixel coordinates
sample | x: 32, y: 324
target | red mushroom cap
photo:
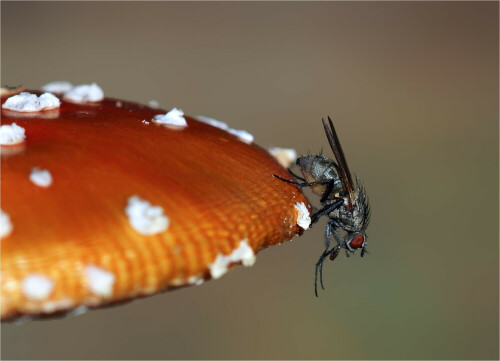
x: 104, y: 205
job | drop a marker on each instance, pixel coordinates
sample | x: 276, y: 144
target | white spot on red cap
x: 195, y: 280
x: 84, y: 93
x: 11, y: 134
x: 79, y: 310
x: 244, y: 254
x: 27, y: 102
x: 241, y: 134
x: 285, y: 156
x: 175, y: 117
x: 57, y: 87
x: 303, y: 216
x: 213, y: 122
x: 154, y: 104
x: 53, y: 306
x: 99, y: 281
x: 178, y: 282
x: 5, y: 224
x: 144, y: 217
x: 41, y: 177
x: 37, y: 287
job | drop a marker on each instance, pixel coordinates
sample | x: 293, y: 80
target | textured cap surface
x: 133, y: 207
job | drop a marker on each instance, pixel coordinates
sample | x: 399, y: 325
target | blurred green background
x: 413, y: 90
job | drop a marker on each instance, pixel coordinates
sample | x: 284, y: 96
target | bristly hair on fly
x: 343, y: 200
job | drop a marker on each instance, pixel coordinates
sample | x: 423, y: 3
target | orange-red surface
x: 215, y: 189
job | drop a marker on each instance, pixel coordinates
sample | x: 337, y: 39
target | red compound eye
x: 357, y: 242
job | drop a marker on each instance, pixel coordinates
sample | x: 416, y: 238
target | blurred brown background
x: 413, y: 89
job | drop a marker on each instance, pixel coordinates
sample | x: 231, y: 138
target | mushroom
x: 102, y: 204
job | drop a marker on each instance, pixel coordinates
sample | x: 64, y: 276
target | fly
x: 343, y: 201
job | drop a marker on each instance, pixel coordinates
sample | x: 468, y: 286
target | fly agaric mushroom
x: 106, y: 201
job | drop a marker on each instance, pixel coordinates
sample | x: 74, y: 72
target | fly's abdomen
x: 319, y: 168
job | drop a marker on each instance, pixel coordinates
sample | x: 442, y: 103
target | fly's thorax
x: 356, y: 219
x: 319, y: 168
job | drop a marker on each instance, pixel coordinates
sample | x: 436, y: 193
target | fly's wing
x: 345, y: 174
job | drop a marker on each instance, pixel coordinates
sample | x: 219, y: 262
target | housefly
x: 343, y: 201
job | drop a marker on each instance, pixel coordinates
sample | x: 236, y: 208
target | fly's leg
x: 334, y: 252
x: 295, y: 175
x: 327, y: 245
x: 319, y: 268
x: 337, y: 239
x: 326, y: 209
x: 328, y: 191
x: 330, y: 229
x: 300, y: 185
x: 364, y: 251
